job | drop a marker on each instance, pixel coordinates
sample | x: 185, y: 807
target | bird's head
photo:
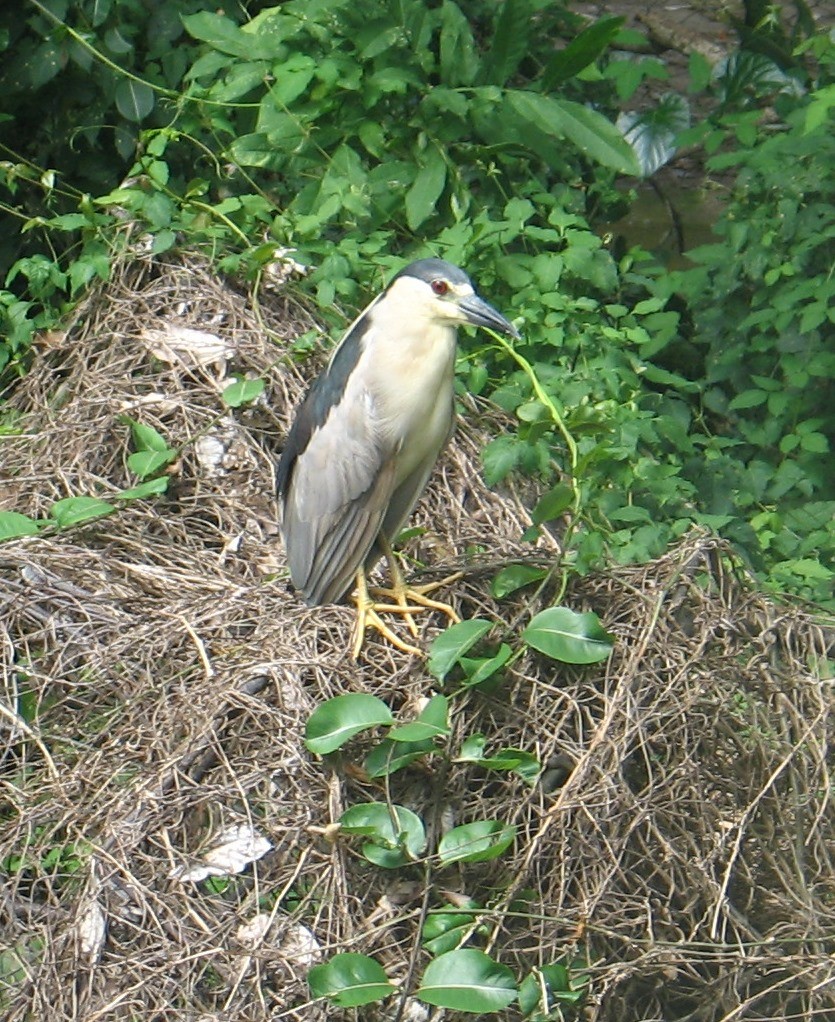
x: 443, y: 293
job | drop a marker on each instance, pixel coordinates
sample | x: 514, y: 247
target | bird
x: 365, y: 438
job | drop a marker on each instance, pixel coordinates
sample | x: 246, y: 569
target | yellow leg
x: 404, y: 595
x: 367, y: 616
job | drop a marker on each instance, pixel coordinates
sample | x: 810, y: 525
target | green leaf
x: 146, y: 438
x: 448, y: 648
x: 563, y: 634
x: 477, y: 671
x: 580, y: 52
x: 223, y: 34
x: 590, y: 131
x: 148, y: 463
x: 554, y: 982
x: 653, y: 133
x: 333, y: 723
x: 517, y: 761
x: 499, y: 457
x: 515, y: 576
x: 445, y: 931
x: 13, y: 524
x: 467, y: 980
x: 74, y: 510
x: 552, y: 504
x: 350, y: 980
x: 433, y: 722
x: 426, y: 189
x: 134, y: 100
x: 387, y: 757
x: 150, y: 488
x: 397, y: 835
x: 509, y: 44
x: 243, y: 392
x: 476, y: 842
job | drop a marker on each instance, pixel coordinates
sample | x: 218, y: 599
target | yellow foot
x: 409, y: 600
x: 367, y: 617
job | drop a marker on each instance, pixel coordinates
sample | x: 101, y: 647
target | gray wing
x: 336, y: 487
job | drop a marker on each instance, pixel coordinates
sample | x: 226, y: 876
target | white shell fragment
x: 182, y: 345
x: 235, y: 849
x: 252, y: 933
x: 90, y: 930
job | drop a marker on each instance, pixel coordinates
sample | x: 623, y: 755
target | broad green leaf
x: 445, y: 931
x: 223, y: 34
x: 433, y: 722
x: 150, y: 488
x: 476, y: 842
x: 454, y: 643
x: 517, y: 761
x: 653, y: 133
x: 580, y: 52
x: 515, y: 576
x: 148, y: 463
x: 479, y: 670
x: 350, y: 980
x: 426, y: 189
x: 563, y: 634
x: 499, y: 457
x: 396, y: 834
x: 467, y: 980
x: 589, y: 130
x: 458, y: 59
x: 13, y: 525
x: 333, y: 723
x: 387, y: 757
x: 554, y: 982
x: 552, y: 504
x: 134, y: 100
x: 509, y: 44
x: 74, y: 510
x: 146, y: 438
x: 243, y: 392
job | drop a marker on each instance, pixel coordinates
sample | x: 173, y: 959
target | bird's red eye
x: 440, y: 287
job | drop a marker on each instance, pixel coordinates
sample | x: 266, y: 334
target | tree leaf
x: 74, y: 510
x: 146, y: 438
x: 426, y: 189
x: 397, y: 835
x: 150, y: 488
x: 350, y: 980
x: 580, y: 52
x: 148, y: 463
x: 433, y: 722
x: 467, y: 980
x: 333, y: 723
x: 387, y: 757
x: 653, y: 133
x: 509, y: 44
x: 476, y: 842
x: 563, y: 634
x: 452, y: 644
x: 134, y: 100
x: 515, y: 576
x: 589, y: 130
x: 13, y: 524
x: 243, y: 392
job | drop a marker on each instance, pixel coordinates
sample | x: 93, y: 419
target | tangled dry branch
x: 157, y: 679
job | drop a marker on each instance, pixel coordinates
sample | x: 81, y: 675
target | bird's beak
x: 481, y: 313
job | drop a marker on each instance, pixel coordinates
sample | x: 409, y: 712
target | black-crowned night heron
x: 366, y: 437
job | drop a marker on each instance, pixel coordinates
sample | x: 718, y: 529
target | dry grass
x: 685, y: 849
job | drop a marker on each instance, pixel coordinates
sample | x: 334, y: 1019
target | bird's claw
x: 367, y: 616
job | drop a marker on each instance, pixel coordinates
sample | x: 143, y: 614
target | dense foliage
x: 358, y: 134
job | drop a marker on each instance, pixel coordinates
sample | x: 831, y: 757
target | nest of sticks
x: 158, y: 673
